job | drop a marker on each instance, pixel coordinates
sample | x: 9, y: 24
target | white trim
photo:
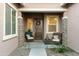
x: 4, y: 22
x: 9, y: 36
x: 11, y: 21
x: 12, y: 6
x: 16, y: 24
x: 42, y: 10
x: 5, y: 37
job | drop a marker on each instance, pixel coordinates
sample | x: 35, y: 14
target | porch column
x: 64, y: 30
x: 21, y: 38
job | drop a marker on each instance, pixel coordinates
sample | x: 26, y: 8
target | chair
x: 57, y: 38
x: 29, y: 36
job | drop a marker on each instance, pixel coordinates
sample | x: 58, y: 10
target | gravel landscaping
x: 52, y: 52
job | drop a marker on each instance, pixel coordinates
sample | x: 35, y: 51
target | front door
x: 38, y: 28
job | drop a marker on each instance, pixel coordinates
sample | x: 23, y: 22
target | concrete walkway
x: 38, y: 52
x: 37, y: 49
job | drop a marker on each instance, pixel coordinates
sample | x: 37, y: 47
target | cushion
x: 29, y: 37
x: 57, y: 40
x: 55, y: 36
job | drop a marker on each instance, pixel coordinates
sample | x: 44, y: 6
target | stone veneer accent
x: 21, y: 38
x: 64, y: 29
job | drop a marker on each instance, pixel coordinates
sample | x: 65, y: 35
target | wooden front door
x: 38, y: 28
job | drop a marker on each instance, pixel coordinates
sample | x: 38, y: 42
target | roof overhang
x: 19, y: 5
x: 42, y: 10
x: 66, y: 5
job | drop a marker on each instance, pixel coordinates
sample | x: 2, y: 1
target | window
x: 13, y: 21
x: 29, y: 24
x: 52, y: 23
x: 10, y: 21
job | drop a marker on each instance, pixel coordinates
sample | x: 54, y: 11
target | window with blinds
x: 52, y: 23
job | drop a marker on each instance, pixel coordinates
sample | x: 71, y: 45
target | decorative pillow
x: 28, y: 36
x: 55, y: 36
x: 50, y: 36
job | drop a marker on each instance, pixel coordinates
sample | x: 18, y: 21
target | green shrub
x: 61, y: 49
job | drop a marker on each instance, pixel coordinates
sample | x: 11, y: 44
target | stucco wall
x: 6, y: 47
x: 73, y: 26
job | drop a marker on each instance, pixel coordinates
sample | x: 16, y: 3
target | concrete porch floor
x: 36, y: 48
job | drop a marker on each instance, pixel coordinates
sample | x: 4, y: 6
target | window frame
x: 57, y: 25
x: 6, y: 37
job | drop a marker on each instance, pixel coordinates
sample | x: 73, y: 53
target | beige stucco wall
x: 6, y: 47
x: 73, y: 26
